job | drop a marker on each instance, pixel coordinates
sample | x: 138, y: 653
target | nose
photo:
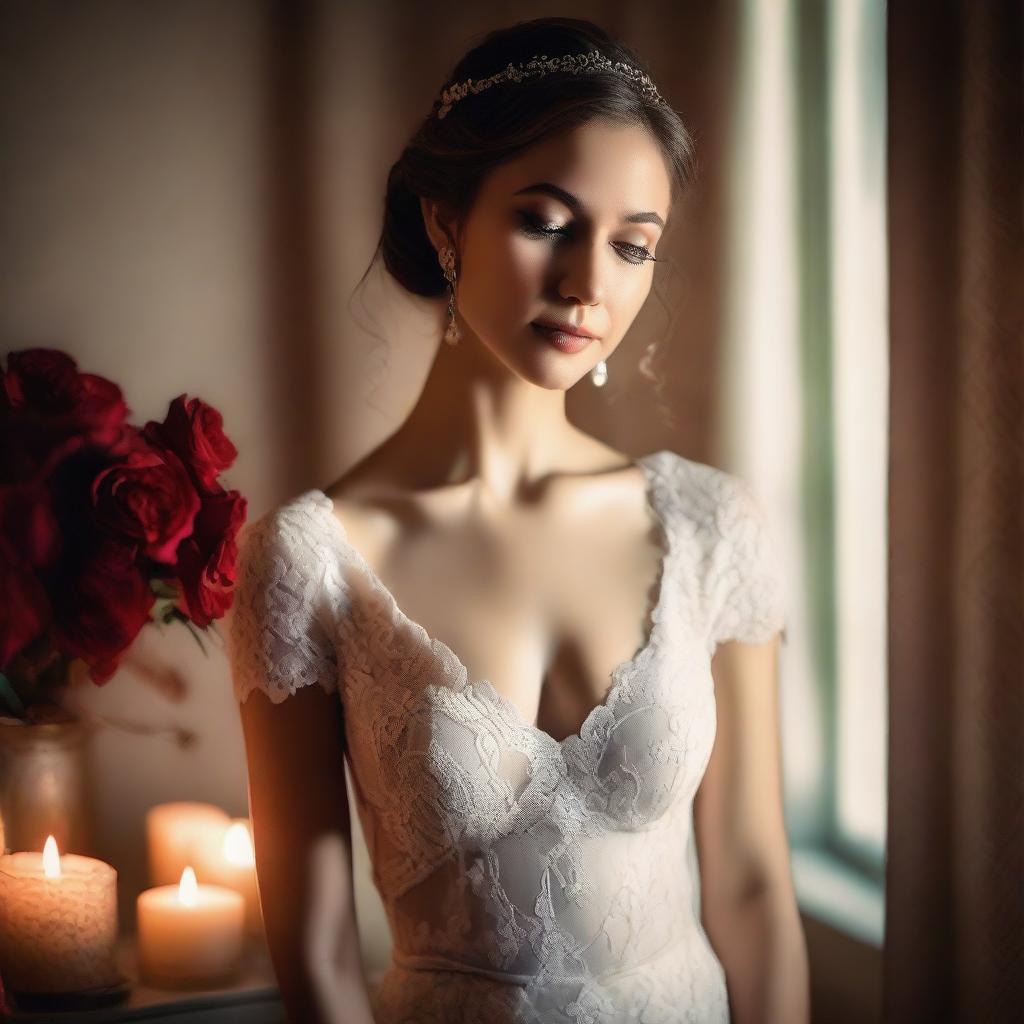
x: 582, y: 281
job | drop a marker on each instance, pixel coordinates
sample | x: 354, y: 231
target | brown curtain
x: 954, y: 947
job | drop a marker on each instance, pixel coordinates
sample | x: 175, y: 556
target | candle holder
x: 45, y: 784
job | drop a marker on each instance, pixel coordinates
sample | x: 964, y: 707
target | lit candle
x: 190, y: 935
x: 58, y: 921
x: 232, y: 863
x: 179, y: 833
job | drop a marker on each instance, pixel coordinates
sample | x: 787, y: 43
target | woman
x: 531, y: 802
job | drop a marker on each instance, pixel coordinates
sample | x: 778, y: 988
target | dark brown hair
x: 448, y: 158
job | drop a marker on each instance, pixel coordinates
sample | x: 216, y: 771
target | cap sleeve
x: 277, y: 640
x: 745, y: 597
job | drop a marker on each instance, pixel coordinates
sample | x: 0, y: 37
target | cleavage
x: 540, y: 617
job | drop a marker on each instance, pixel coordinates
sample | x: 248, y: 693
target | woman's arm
x: 302, y: 838
x: 748, y: 905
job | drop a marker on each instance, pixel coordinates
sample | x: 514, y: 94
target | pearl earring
x: 446, y: 257
x: 599, y: 374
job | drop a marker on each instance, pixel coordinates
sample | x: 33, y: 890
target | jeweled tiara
x: 540, y: 65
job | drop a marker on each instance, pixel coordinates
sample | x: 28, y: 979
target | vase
x: 45, y: 785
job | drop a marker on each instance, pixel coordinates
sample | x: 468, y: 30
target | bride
x: 550, y: 667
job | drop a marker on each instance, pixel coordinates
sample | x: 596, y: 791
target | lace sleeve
x: 277, y: 641
x: 744, y: 583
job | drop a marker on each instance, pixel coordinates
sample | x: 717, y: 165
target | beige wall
x: 131, y: 237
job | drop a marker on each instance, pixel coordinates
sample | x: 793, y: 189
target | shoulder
x: 712, y: 501
x: 735, y: 557
x: 279, y: 636
x: 292, y: 531
x: 374, y: 497
x: 288, y: 567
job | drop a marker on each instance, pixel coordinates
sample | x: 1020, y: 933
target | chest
x: 544, y: 607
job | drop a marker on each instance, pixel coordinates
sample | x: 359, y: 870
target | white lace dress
x: 524, y: 878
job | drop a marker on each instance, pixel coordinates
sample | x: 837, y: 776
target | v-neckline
x: 618, y: 675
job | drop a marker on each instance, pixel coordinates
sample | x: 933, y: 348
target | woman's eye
x: 537, y: 228
x: 534, y: 225
x: 637, y: 253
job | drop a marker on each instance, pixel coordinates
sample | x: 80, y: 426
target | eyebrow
x: 574, y: 203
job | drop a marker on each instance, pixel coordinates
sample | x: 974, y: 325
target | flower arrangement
x: 104, y: 526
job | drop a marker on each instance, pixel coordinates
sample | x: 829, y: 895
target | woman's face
x: 564, y: 232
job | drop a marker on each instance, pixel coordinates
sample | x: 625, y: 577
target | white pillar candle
x: 189, y: 935
x: 58, y: 921
x: 177, y: 834
x: 232, y: 863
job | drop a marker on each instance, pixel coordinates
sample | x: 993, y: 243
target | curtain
x: 955, y: 873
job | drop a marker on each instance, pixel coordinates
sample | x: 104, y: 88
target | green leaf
x: 9, y: 697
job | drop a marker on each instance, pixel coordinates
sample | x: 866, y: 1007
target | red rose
x: 28, y: 524
x: 194, y: 431
x: 49, y: 410
x: 45, y: 386
x: 207, y: 560
x: 27, y: 609
x: 29, y: 540
x: 101, y: 613
x: 147, y: 498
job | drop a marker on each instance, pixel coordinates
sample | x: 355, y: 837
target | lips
x: 561, y: 340
x: 564, y: 328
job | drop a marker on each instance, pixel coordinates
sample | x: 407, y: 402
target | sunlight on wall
x: 761, y: 377
x: 833, y: 724
x: 860, y: 388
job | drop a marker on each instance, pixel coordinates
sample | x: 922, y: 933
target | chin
x: 544, y: 368
x: 551, y: 378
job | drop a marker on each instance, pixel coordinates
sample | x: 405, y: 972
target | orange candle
x: 178, y: 833
x: 231, y: 862
x: 58, y: 921
x: 190, y: 935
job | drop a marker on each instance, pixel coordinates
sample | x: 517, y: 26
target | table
x: 252, y: 999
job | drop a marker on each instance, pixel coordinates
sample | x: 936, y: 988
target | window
x: 807, y: 397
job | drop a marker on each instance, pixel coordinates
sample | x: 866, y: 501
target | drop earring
x: 599, y: 374
x: 446, y: 257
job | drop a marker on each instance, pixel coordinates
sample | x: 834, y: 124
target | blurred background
x: 192, y: 191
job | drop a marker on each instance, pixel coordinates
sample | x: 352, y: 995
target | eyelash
x: 537, y: 228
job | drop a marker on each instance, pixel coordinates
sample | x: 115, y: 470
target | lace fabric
x: 524, y: 878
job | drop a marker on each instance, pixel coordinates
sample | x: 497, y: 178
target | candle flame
x: 238, y: 845
x: 188, y: 888
x: 51, y: 858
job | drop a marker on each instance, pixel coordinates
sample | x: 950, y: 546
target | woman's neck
x: 475, y: 418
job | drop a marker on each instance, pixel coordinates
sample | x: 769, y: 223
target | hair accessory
x: 446, y: 257
x: 599, y: 374
x: 541, y: 65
